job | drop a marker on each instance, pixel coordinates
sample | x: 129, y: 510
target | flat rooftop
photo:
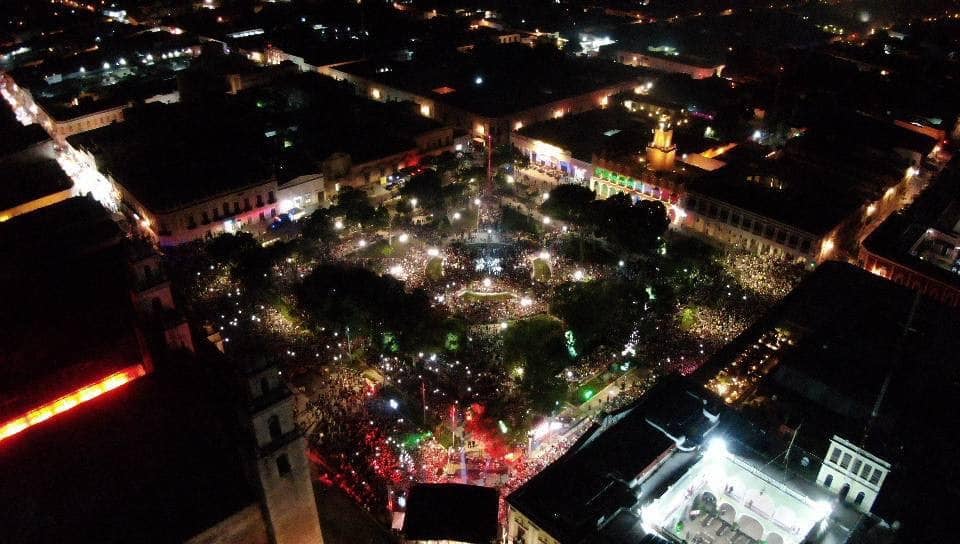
x: 849, y: 331
x: 14, y: 136
x: 66, y: 316
x: 593, y: 479
x: 497, y: 80
x: 452, y: 512
x: 613, y: 132
x: 169, y: 156
x: 31, y: 174
x: 904, y: 235
x: 813, y: 184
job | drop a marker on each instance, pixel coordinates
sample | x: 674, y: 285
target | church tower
x: 278, y: 461
x: 661, y: 152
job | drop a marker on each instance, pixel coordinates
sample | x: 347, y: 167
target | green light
x: 588, y: 394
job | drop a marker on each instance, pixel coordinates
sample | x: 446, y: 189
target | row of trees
x: 634, y: 226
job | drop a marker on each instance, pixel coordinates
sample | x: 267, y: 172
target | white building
x: 852, y: 473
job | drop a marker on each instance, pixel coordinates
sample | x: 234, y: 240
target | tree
x: 608, y: 312
x: 426, y: 188
x: 569, y: 202
x: 318, y: 226
x: 537, y: 345
x: 371, y: 305
x: 353, y: 205
x: 633, y: 226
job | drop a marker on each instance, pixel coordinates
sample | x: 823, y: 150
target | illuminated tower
x: 661, y: 152
x: 279, y: 462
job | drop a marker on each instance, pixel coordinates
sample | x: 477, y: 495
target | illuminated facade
x: 852, y: 473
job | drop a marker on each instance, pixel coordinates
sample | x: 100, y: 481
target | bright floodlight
x: 403, y: 238
x: 362, y: 243
x: 578, y: 275
x: 433, y: 252
x: 487, y: 282
x: 456, y: 216
x: 510, y: 178
x: 546, y: 220
x: 822, y: 508
x: 544, y: 254
x: 338, y: 224
x: 394, y: 404
x: 717, y: 447
x: 476, y: 201
x: 413, y: 202
x: 478, y: 80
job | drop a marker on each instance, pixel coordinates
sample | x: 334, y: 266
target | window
x: 236, y: 207
x: 835, y: 455
x: 246, y: 203
x: 724, y: 214
x: 875, y: 477
x: 226, y: 208
x: 735, y: 219
x: 781, y: 237
x: 768, y: 232
x: 859, y: 500
x: 845, y: 462
x: 856, y: 466
x: 204, y: 217
x: 828, y: 481
x: 283, y: 465
x: 756, y: 227
x: 259, y: 200
x: 867, y: 467
x: 274, y: 425
x: 805, y: 245
x: 270, y: 197
x: 792, y: 241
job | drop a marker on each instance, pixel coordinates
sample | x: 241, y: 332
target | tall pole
x: 489, y: 190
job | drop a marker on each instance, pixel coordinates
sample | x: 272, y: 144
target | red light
x: 70, y: 400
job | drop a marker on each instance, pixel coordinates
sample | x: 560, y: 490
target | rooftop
x: 169, y: 156
x: 14, y: 136
x: 30, y: 174
x: 66, y: 313
x: 849, y: 332
x: 922, y: 237
x: 595, y: 477
x: 816, y: 182
x: 457, y: 512
x: 496, y: 80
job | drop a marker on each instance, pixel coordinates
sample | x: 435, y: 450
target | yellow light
x: 480, y: 129
x: 425, y: 110
x: 557, y: 114
x: 518, y: 125
x: 70, y: 400
x: 375, y: 93
x: 871, y: 209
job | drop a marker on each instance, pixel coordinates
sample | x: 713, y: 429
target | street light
x: 476, y: 201
x: 546, y: 220
x: 456, y: 216
x: 403, y: 238
x: 413, y: 202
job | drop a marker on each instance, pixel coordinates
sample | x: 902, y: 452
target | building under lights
x: 675, y: 466
x: 920, y: 247
x: 814, y: 199
x: 114, y: 427
x: 854, y: 375
x: 193, y: 170
x: 491, y: 91
x: 29, y: 173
